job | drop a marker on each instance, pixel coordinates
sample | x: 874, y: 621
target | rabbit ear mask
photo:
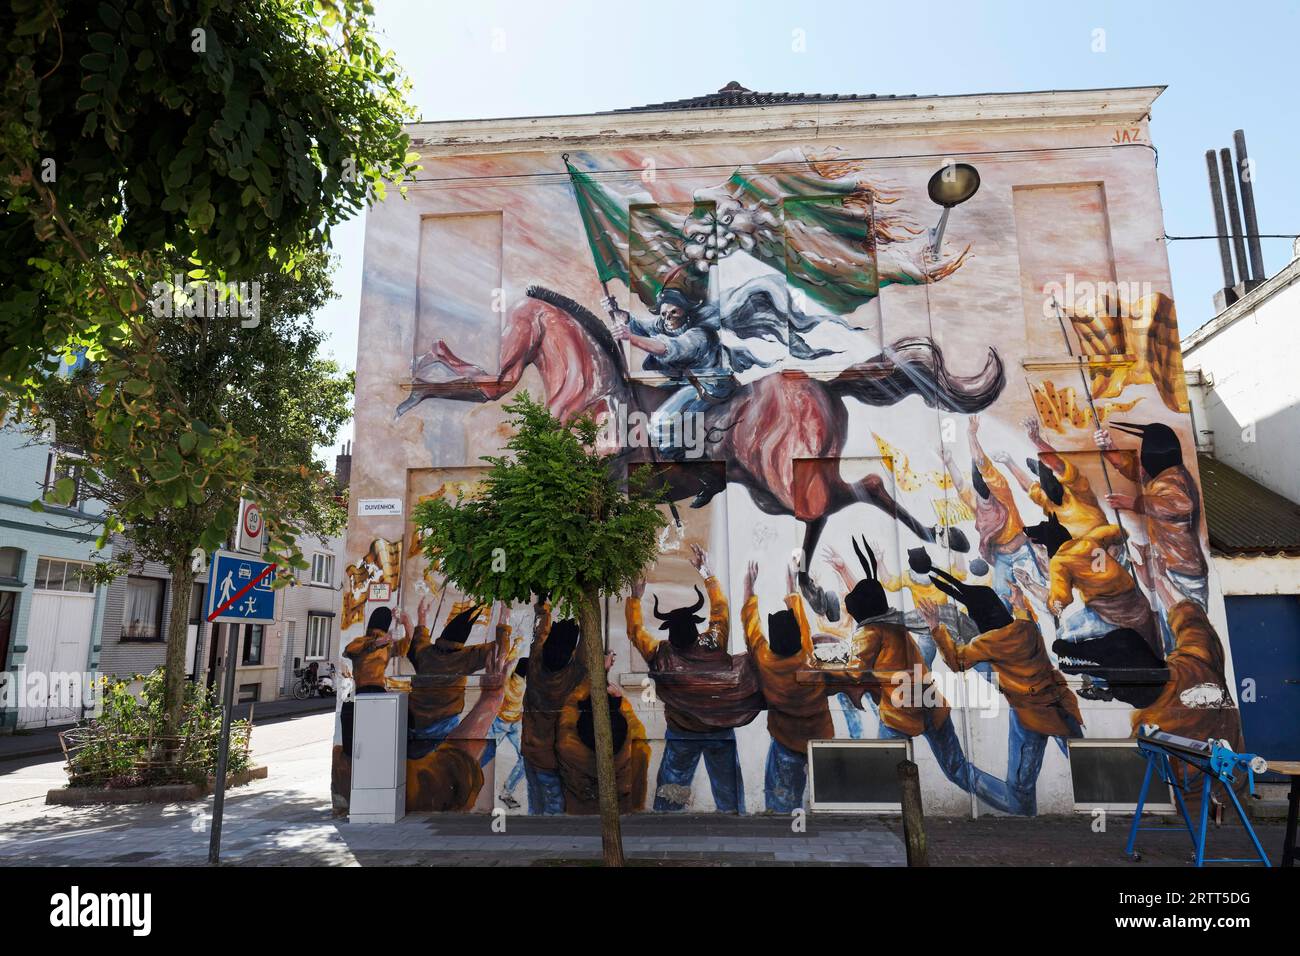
x: 950, y: 589
x: 868, y: 561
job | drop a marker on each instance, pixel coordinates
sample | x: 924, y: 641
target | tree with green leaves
x: 554, y: 519
x: 174, y: 429
x: 217, y: 140
x: 231, y: 134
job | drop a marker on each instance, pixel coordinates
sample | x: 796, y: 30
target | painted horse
x: 760, y: 432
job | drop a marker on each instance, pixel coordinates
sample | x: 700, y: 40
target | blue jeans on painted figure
x: 1018, y: 793
x: 545, y: 791
x: 785, y: 778
x: 425, y: 740
x: 1189, y: 588
x: 1080, y: 622
x: 682, y: 753
x: 852, y: 716
x: 946, y: 749
x: 1004, y: 566
x: 505, y: 730
x: 960, y: 628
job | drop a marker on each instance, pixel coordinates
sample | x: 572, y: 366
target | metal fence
x: 100, y: 757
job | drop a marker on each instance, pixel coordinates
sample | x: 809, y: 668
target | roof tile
x: 734, y: 95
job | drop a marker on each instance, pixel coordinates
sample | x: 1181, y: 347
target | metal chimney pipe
x: 1220, y: 223
x: 1245, y: 175
x: 1234, y: 214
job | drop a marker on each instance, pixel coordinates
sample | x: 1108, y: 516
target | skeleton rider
x: 682, y: 342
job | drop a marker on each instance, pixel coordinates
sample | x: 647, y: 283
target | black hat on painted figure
x: 560, y: 644
x: 1051, y: 534
x: 587, y: 724
x: 1160, y: 446
x: 381, y: 619
x: 1047, y: 480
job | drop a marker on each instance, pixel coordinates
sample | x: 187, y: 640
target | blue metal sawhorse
x: 1215, y: 761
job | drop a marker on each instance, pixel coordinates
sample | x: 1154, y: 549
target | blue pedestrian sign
x: 239, y: 589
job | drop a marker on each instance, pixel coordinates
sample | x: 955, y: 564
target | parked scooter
x: 326, y: 685
x: 311, y: 682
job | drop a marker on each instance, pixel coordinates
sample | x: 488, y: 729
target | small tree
x: 556, y: 520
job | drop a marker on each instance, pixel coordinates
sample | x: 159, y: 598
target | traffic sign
x: 250, y: 535
x: 239, y: 589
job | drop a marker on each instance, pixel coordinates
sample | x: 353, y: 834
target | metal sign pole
x: 223, y: 754
x: 220, y: 603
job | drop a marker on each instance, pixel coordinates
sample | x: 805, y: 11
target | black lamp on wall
x: 951, y: 186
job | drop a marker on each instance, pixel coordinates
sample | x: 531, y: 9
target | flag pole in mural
x: 604, y: 219
x: 1092, y: 405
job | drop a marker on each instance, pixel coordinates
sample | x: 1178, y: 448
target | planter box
x: 171, y: 793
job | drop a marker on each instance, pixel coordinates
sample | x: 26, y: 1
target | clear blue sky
x: 1228, y: 66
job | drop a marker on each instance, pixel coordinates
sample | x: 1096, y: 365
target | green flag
x: 605, y: 219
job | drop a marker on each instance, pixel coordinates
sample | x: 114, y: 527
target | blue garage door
x: 1264, y: 632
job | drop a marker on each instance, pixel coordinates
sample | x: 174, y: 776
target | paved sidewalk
x: 269, y: 830
x: 280, y: 828
x: 286, y: 820
x: 39, y: 743
x: 1071, y: 841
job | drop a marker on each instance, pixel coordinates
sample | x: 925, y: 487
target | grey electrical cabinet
x: 378, y: 759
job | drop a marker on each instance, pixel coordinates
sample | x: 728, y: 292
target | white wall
x: 1252, y: 402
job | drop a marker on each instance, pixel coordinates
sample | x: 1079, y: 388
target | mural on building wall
x: 874, y: 527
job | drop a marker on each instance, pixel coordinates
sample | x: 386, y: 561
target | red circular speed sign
x: 252, y: 520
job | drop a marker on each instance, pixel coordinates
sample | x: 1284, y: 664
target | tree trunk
x: 611, y: 836
x: 182, y: 585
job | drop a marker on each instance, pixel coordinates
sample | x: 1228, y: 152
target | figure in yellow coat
x: 368, y: 657
x: 1061, y: 489
x: 795, y: 691
x: 1042, y: 704
x: 437, y: 694
x: 1108, y: 593
x: 890, y: 670
x: 575, y: 748
x: 449, y: 777
x: 1002, y: 545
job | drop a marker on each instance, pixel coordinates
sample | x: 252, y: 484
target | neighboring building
x: 138, y: 617
x: 50, y: 611
x: 305, y: 628
x: 308, y: 625
x: 815, y: 375
x: 1246, y: 406
x: 1255, y: 542
x: 1246, y: 356
x: 308, y: 614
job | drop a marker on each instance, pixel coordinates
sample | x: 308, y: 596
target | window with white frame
x: 318, y: 637
x: 55, y: 574
x: 322, y: 569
